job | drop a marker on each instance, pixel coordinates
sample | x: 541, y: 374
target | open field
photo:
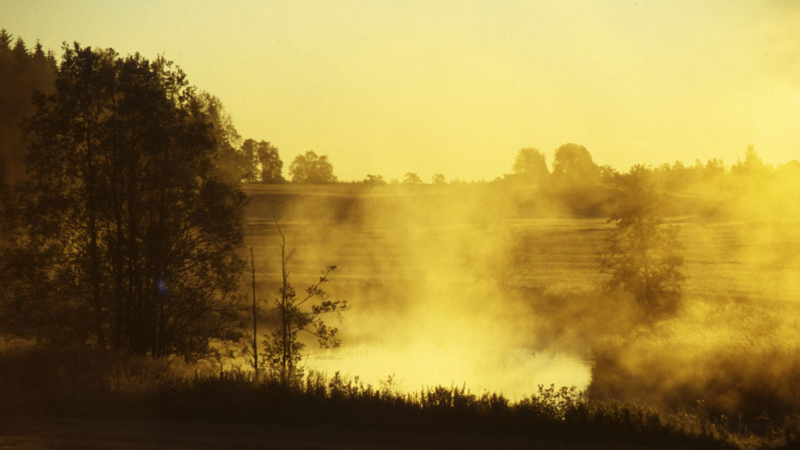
x: 722, y: 260
x: 405, y: 255
x: 744, y: 258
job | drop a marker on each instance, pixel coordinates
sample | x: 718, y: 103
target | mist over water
x: 431, y: 285
x: 452, y: 286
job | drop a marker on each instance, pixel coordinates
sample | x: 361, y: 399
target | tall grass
x: 81, y: 382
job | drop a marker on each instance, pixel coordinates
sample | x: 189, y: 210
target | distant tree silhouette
x: 573, y: 164
x: 412, y: 178
x: 239, y: 160
x: 752, y: 166
x: 283, y: 348
x: 122, y: 235
x: 375, y: 180
x: 576, y: 181
x: 530, y: 166
x: 249, y: 159
x: 437, y: 179
x: 672, y: 177
x: 266, y: 163
x: 643, y: 257
x: 678, y: 177
x: 271, y: 166
x: 312, y: 169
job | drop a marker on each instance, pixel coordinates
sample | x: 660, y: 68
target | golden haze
x: 457, y: 87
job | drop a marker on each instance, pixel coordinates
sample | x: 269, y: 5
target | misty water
x: 443, y: 298
x: 427, y: 304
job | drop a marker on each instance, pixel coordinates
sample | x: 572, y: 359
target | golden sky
x: 457, y: 87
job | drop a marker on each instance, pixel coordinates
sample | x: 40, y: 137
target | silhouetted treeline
x: 240, y: 160
x: 579, y: 186
x: 22, y: 70
x: 576, y: 183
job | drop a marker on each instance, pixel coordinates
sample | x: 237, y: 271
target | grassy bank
x: 85, y: 383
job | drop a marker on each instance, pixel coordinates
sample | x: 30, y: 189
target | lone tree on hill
x: 123, y: 235
x: 643, y: 256
x: 312, y: 169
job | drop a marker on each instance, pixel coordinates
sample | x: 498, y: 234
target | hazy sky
x: 457, y: 87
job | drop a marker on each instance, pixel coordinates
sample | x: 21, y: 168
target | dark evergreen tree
x: 21, y: 73
x: 5, y: 40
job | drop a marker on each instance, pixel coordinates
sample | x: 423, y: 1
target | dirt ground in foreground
x: 38, y: 434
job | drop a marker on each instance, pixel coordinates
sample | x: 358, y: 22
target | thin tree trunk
x: 255, y: 317
x: 285, y: 352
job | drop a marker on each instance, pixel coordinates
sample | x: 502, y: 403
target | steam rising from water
x: 431, y: 282
x: 454, y: 286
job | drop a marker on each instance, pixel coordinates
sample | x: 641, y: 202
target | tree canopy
x: 123, y: 235
x: 312, y: 169
x: 375, y: 180
x: 530, y: 165
x: 642, y: 255
x: 267, y: 161
x: 232, y: 164
x: 573, y: 162
x: 412, y: 179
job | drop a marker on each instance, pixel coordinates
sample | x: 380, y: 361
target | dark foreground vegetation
x: 84, y: 383
x: 90, y: 384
